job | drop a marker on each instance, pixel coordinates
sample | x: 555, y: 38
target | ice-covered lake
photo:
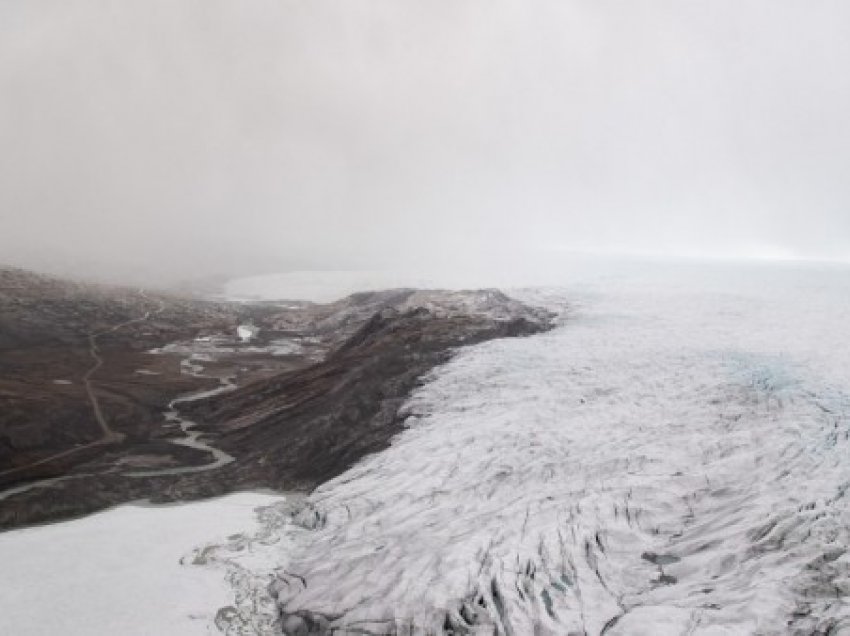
x: 672, y: 459
x: 129, y: 571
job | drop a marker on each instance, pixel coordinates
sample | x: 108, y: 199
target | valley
x: 112, y: 395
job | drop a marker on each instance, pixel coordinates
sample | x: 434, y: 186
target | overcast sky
x: 177, y: 138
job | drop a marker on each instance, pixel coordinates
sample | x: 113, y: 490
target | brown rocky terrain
x: 45, y: 353
x: 318, y: 387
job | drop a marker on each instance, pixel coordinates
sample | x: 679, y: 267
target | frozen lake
x: 120, y: 571
x: 672, y: 459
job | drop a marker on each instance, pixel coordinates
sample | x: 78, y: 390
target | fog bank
x: 166, y: 140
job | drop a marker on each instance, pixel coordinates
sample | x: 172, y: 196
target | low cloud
x: 169, y: 140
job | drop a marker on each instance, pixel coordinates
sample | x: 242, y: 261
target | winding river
x: 192, y: 438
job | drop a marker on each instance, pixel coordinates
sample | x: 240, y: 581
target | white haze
x: 175, y: 139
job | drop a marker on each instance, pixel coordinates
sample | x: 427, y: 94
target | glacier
x: 671, y: 459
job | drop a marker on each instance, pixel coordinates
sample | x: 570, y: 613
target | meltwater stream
x: 674, y: 458
x: 192, y: 438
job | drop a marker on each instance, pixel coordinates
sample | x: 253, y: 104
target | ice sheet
x: 671, y: 460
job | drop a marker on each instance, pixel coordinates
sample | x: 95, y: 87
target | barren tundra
x: 113, y: 395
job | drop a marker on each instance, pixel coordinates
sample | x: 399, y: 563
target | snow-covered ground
x: 672, y: 459
x: 120, y: 572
